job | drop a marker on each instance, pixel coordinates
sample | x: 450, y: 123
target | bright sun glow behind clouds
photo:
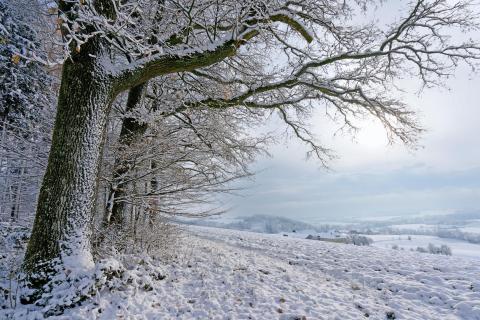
x: 373, y: 178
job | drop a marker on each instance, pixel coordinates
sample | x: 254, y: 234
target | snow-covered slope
x: 227, y: 274
x: 258, y: 223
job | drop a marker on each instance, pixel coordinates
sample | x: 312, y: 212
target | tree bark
x: 131, y: 131
x: 62, y: 226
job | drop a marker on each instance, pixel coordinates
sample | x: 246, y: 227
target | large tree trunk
x: 131, y: 132
x: 62, y: 227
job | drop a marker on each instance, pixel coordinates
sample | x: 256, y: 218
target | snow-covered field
x: 472, y: 227
x: 414, y: 226
x: 227, y: 274
x: 459, y: 248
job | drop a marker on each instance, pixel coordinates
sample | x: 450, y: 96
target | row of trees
x: 158, y: 99
x: 155, y: 163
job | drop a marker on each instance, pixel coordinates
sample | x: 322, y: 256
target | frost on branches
x: 26, y: 108
x: 258, y: 58
x: 24, y: 84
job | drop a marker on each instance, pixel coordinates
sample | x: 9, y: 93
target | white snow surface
x: 228, y: 274
x: 460, y: 248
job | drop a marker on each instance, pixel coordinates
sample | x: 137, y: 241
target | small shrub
x: 151, y: 236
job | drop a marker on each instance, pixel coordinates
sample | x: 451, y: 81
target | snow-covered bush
x: 446, y: 250
x: 13, y: 239
x: 433, y: 249
x: 422, y: 250
x: 359, y: 240
x: 442, y: 249
x: 155, y: 236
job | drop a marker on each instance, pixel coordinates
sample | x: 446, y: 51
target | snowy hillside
x: 226, y: 274
x: 258, y: 223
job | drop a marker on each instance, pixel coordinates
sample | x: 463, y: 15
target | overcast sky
x: 372, y: 178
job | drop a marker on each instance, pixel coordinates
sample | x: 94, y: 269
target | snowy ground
x: 227, y: 274
x: 414, y: 226
x: 472, y: 227
x: 459, y: 248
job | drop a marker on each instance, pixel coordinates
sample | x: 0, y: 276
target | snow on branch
x: 277, y: 54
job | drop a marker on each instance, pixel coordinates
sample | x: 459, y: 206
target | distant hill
x: 259, y: 223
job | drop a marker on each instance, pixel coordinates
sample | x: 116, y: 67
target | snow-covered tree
x: 26, y: 99
x: 324, y: 59
x: 25, y: 84
x: 170, y: 166
x: 186, y: 156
